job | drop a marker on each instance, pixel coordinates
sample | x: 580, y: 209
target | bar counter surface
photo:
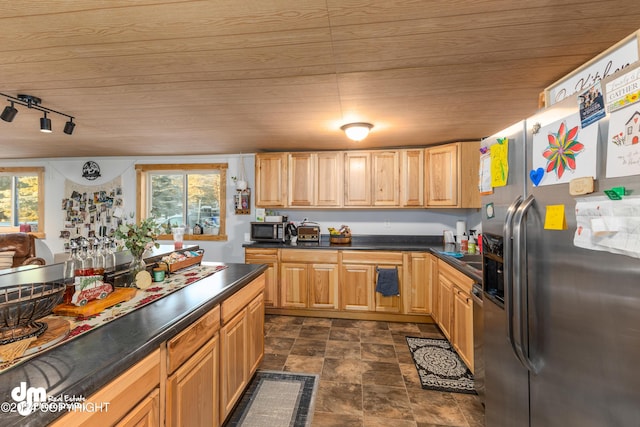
x: 85, y: 364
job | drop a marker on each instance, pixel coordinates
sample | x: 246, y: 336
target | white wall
x: 412, y: 222
x: 361, y: 221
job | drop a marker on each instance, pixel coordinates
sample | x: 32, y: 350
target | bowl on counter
x: 22, y: 305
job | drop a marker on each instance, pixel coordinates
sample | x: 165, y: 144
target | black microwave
x: 268, y: 232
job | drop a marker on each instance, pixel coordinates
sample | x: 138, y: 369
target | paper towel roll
x: 461, y: 227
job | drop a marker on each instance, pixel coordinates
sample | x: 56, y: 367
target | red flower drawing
x: 562, y: 150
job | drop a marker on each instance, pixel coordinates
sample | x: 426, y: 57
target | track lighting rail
x: 34, y: 103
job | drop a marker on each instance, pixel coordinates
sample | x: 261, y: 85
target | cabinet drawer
x: 123, y: 394
x: 183, y: 345
x: 232, y: 305
x: 309, y: 255
x: 372, y: 257
x: 463, y: 281
x: 258, y: 254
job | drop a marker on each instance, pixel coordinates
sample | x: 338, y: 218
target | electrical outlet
x: 387, y: 223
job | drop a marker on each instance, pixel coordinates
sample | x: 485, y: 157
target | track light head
x: 9, y: 113
x: 45, y: 124
x: 69, y: 126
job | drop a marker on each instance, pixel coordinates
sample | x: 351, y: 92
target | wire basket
x: 22, y: 305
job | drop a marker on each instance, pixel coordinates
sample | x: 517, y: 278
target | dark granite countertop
x: 87, y: 363
x: 431, y: 244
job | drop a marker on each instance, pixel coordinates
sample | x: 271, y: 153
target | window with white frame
x: 22, y: 199
x: 190, y: 195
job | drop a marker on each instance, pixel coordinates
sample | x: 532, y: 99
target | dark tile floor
x: 367, y: 375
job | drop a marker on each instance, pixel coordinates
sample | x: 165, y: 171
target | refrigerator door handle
x: 508, y: 268
x: 521, y: 285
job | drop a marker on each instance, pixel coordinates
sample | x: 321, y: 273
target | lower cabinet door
x: 357, y: 287
x: 234, y: 366
x: 145, y: 414
x: 293, y: 285
x: 323, y: 286
x: 255, y: 319
x: 192, y: 391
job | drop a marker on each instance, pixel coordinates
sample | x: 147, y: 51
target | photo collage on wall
x: 91, y: 211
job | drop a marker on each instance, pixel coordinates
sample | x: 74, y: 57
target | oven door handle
x: 508, y: 269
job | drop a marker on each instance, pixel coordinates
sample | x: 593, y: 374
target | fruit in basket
x: 343, y: 231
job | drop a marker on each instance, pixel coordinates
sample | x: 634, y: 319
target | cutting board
x: 96, y: 306
x: 57, y: 330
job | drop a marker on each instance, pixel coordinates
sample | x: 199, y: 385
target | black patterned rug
x: 276, y: 399
x: 439, y: 366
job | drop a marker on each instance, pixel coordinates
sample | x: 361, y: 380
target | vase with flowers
x: 138, y: 238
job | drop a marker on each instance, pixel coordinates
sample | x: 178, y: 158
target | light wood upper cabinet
x: 386, y: 177
x: 357, y: 178
x: 329, y: 179
x: 412, y: 178
x: 315, y: 179
x: 271, y: 179
x: 452, y: 175
x: 302, y: 173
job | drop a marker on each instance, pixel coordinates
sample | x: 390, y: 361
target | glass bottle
x: 109, y: 255
x: 99, y: 261
x: 69, y: 274
x: 86, y: 262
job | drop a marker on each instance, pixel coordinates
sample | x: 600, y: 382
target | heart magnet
x: 536, y: 176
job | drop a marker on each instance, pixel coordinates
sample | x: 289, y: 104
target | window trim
x: 39, y: 170
x: 141, y: 193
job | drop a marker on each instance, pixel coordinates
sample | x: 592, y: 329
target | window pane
x: 27, y: 189
x: 6, y: 200
x: 203, y: 199
x: 167, y: 195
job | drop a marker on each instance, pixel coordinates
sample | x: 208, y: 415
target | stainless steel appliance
x: 561, y: 323
x: 268, y: 232
x: 478, y: 338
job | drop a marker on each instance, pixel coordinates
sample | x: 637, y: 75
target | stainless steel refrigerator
x: 561, y: 323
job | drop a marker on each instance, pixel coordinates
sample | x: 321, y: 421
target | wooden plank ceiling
x: 153, y: 77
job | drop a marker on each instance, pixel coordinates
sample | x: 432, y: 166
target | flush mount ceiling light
x: 357, y: 131
x: 32, y: 102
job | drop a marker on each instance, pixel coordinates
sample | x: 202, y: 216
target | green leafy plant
x: 139, y: 237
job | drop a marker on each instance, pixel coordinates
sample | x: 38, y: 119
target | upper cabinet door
x: 452, y: 175
x: 357, y: 178
x: 271, y: 179
x: 412, y: 178
x: 442, y: 175
x: 329, y: 179
x: 386, y: 178
x: 301, y: 179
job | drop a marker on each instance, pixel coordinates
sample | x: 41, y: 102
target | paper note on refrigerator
x: 555, y: 218
x: 499, y: 164
x: 608, y: 225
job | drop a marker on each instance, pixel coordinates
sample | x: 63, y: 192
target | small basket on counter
x: 179, y: 261
x: 341, y: 236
